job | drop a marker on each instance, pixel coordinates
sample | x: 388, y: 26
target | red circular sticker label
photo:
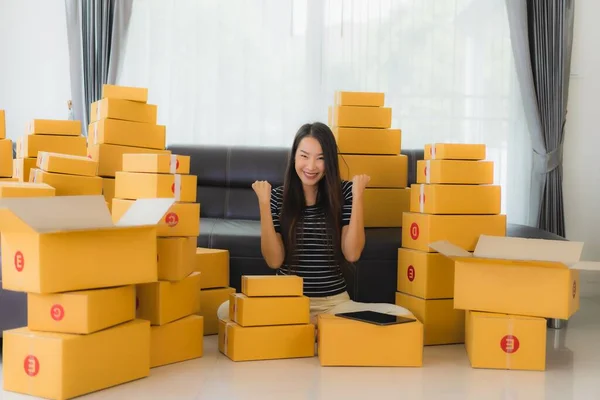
x: 31, y: 365
x: 171, y: 219
x: 19, y: 261
x: 509, y: 344
x: 57, y: 312
x: 173, y: 188
x: 414, y: 231
x: 410, y: 273
x: 574, y: 288
x: 425, y: 171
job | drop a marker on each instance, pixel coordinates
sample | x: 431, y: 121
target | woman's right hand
x: 263, y: 192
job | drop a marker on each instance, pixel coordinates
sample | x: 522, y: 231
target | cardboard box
x: 63, y: 366
x: 177, y: 341
x: 110, y: 157
x: 384, y: 207
x: 54, y: 127
x: 213, y: 264
x: 68, y: 185
x: 442, y: 324
x: 272, y: 285
x: 360, y: 117
x: 2, y: 124
x: 346, y: 342
x: 28, y: 146
x: 83, y: 312
x: 156, y: 163
x: 66, y: 164
x: 419, y: 230
x: 127, y: 133
x: 425, y: 275
x: 501, y: 341
x: 124, y: 110
x: 254, y: 343
x: 176, y: 258
x: 210, y: 301
x: 9, y: 180
x: 25, y: 189
x: 543, y: 276
x: 163, y: 302
x: 368, y: 141
x: 455, y: 172
x: 133, y: 185
x: 108, y: 190
x: 367, y: 99
x: 47, y: 240
x: 455, y: 151
x: 22, y: 168
x: 264, y: 311
x: 6, y: 158
x: 125, y: 93
x: 455, y: 199
x: 385, y: 171
x: 182, y: 219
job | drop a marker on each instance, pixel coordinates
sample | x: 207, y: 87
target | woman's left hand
x: 359, y: 183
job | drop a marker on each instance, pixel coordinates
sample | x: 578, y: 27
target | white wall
x: 34, y: 62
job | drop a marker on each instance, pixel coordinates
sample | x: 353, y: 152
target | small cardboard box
x: 138, y: 94
x: 176, y: 258
x: 177, y: 341
x: 163, y: 302
x: 2, y: 124
x: 210, y: 301
x: 425, y: 275
x: 346, y: 342
x: 368, y: 140
x: 22, y: 168
x: 54, y: 127
x: 66, y: 164
x: 543, y: 276
x: 127, y: 133
x: 360, y: 117
x: 383, y: 208
x: 456, y: 172
x: 133, y: 185
x: 272, y: 285
x: 28, y: 146
x: 82, y: 312
x: 68, y: 185
x: 367, y: 99
x: 455, y: 199
x: 254, y: 343
x: 213, y: 264
x: 64, y: 366
x: 25, y: 189
x: 47, y: 240
x: 124, y: 110
x: 110, y: 157
x: 182, y: 219
x: 6, y: 158
x: 442, y: 324
x: 156, y: 163
x: 385, y: 171
x: 264, y: 311
x: 419, y: 230
x: 501, y: 341
x: 108, y: 190
x: 455, y: 151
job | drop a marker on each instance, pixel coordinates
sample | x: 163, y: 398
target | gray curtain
x: 96, y: 31
x: 542, y: 35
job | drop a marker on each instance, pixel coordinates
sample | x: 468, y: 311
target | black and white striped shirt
x: 316, y: 259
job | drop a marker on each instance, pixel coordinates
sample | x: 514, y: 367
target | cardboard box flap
x: 524, y: 249
x: 450, y: 250
x: 146, y: 212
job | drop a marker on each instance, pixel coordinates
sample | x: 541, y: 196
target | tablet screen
x: 377, y: 318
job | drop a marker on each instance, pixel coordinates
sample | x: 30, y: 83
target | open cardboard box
x: 532, y: 277
x: 59, y: 244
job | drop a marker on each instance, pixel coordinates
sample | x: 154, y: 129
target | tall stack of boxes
x: 82, y: 335
x: 6, y: 151
x: 69, y: 175
x: 455, y: 200
x: 269, y: 320
x: 361, y: 125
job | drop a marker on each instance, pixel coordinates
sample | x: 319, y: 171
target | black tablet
x: 376, y: 318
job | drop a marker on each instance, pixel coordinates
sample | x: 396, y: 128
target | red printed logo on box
x: 410, y: 273
x: 425, y: 171
x: 414, y: 231
x: 509, y: 344
x: 176, y: 164
x: 171, y: 219
x: 31, y: 365
x: 57, y: 312
x: 19, y: 261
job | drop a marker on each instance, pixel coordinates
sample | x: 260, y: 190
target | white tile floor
x: 573, y: 372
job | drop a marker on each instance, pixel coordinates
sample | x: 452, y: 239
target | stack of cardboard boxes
x: 79, y: 271
x: 361, y: 125
x: 453, y: 200
x: 6, y: 151
x: 69, y: 175
x: 270, y: 319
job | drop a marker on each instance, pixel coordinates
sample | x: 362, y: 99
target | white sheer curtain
x: 250, y: 72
